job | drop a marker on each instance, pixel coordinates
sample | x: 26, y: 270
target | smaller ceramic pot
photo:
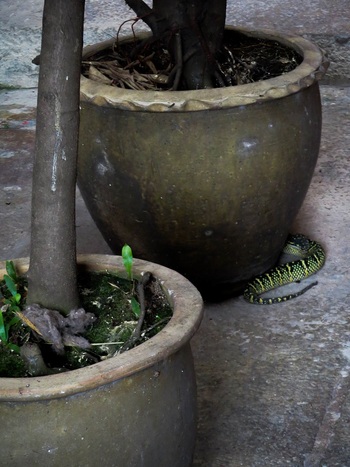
x: 136, y: 409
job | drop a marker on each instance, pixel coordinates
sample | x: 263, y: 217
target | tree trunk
x: 52, y: 273
x: 192, y: 30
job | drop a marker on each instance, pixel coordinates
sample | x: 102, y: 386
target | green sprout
x: 10, y: 307
x: 128, y: 262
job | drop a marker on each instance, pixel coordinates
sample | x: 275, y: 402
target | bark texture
x: 192, y: 30
x: 52, y: 272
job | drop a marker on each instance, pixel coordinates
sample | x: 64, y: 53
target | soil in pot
x: 121, y: 322
x: 148, y: 65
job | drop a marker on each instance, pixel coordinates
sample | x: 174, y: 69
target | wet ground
x: 273, y: 382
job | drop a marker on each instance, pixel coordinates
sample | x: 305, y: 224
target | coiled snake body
x: 312, y: 258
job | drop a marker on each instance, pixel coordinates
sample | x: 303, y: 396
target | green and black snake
x: 312, y: 257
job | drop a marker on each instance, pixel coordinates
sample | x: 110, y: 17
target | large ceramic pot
x: 137, y: 409
x: 208, y: 181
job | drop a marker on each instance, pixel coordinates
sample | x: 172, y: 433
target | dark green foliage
x: 12, y: 289
x: 111, y: 298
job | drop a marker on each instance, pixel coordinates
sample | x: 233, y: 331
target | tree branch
x: 144, y: 12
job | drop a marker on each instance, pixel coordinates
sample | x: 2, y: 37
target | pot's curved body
x: 209, y: 181
x: 137, y: 409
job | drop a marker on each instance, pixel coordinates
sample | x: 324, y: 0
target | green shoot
x: 11, y: 306
x: 11, y: 281
x: 3, y: 333
x: 127, y: 260
x: 11, y: 271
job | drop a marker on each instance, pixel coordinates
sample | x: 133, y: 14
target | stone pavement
x: 273, y: 382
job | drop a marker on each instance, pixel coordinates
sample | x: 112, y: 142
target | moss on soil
x: 109, y: 298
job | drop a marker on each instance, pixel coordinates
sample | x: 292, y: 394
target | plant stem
x: 141, y: 296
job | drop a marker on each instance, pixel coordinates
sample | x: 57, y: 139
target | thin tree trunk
x: 198, y: 24
x: 52, y: 273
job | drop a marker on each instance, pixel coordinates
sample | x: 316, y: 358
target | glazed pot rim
x: 311, y: 70
x: 187, y: 315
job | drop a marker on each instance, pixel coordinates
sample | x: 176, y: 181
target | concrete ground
x: 273, y: 382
